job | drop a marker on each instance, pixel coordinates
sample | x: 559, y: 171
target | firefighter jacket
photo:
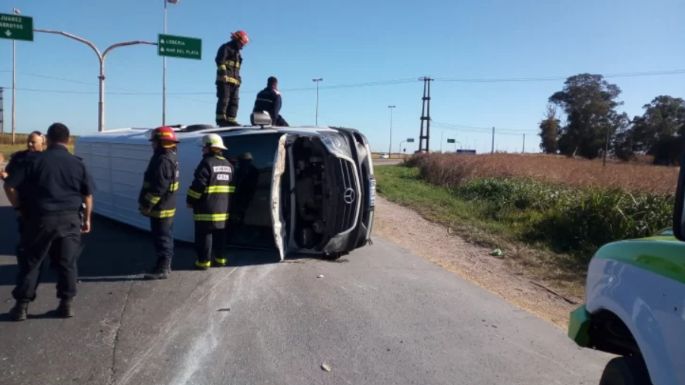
x: 157, y: 198
x: 268, y: 100
x: 208, y: 195
x: 228, y: 61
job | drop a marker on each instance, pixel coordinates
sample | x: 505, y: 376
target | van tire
x: 625, y: 371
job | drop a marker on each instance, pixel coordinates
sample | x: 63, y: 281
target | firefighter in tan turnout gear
x: 208, y: 197
x: 157, y: 199
x: 228, y: 62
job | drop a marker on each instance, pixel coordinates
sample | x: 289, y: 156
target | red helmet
x: 164, y: 134
x: 241, y: 37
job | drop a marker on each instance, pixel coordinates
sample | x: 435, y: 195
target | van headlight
x: 336, y: 144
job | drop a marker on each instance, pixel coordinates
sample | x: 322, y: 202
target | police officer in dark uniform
x: 157, y: 199
x: 58, y: 186
x: 208, y: 197
x: 269, y: 100
x: 35, y: 143
x: 228, y: 61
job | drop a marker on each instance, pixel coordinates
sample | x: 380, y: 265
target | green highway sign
x: 410, y: 140
x: 16, y: 27
x: 451, y: 141
x: 179, y: 46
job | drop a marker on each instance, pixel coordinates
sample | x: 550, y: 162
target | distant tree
x: 589, y: 103
x: 653, y: 133
x: 663, y: 117
x: 668, y: 150
x: 549, y: 131
x: 621, y: 144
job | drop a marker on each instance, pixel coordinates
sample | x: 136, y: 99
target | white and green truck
x: 635, y: 306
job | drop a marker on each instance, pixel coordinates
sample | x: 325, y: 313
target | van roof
x: 182, y: 132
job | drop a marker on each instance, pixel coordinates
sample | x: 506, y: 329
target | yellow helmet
x: 213, y: 141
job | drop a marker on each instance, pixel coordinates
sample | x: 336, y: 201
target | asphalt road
x: 379, y: 316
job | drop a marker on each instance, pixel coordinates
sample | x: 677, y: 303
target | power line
x: 557, y: 78
x: 468, y: 128
x: 125, y: 91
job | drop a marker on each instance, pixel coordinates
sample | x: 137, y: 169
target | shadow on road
x: 115, y: 252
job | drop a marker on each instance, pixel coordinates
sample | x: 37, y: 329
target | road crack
x: 115, y: 342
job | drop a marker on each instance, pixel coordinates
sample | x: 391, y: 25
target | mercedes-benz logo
x: 349, y: 195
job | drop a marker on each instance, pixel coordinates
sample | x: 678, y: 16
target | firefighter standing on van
x: 228, y: 62
x: 208, y: 197
x: 157, y: 199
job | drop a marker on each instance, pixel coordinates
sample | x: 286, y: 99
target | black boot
x: 161, y: 271
x: 19, y: 311
x: 65, y: 310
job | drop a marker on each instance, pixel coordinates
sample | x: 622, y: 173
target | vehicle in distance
x: 635, y: 306
x: 300, y: 190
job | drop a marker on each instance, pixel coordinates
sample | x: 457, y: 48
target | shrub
x: 596, y: 217
x: 576, y: 221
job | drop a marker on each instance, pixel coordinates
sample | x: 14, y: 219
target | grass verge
x: 473, y: 220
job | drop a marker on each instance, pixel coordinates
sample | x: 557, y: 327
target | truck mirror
x: 678, y: 217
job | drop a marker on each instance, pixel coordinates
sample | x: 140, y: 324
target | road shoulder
x: 437, y: 244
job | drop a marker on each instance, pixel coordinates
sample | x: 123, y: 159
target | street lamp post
x: 14, y: 84
x: 442, y: 139
x: 316, y: 116
x: 101, y: 58
x: 392, y: 107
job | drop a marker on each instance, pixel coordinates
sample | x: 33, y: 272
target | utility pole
x: 492, y: 149
x: 425, y: 115
x: 316, y: 119
x: 390, y: 144
x: 101, y: 58
x: 164, y: 73
x: 606, y: 146
x: 524, y: 144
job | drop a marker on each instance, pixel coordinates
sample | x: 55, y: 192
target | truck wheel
x: 625, y: 371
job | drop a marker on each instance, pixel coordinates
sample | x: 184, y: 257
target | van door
x: 276, y: 214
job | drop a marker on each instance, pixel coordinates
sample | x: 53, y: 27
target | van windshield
x: 252, y: 156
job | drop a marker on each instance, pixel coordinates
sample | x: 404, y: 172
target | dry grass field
x: 453, y: 170
x: 7, y: 148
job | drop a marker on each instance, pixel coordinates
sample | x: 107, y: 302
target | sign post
x: 179, y: 46
x: 16, y: 27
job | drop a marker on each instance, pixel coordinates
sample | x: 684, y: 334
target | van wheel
x: 625, y: 371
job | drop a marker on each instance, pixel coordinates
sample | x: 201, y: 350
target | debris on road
x: 326, y: 367
x: 497, y: 252
x: 319, y: 276
x: 224, y: 309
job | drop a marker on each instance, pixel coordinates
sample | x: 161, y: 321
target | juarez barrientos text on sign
x: 179, y: 46
x: 16, y: 27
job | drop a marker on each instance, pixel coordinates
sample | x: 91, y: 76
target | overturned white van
x: 306, y: 190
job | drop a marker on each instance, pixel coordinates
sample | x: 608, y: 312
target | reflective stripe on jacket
x: 228, y: 61
x: 209, y: 192
x: 157, y: 197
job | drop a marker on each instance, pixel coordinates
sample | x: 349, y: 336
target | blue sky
x: 348, y: 44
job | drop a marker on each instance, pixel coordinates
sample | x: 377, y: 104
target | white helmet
x: 213, y: 141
